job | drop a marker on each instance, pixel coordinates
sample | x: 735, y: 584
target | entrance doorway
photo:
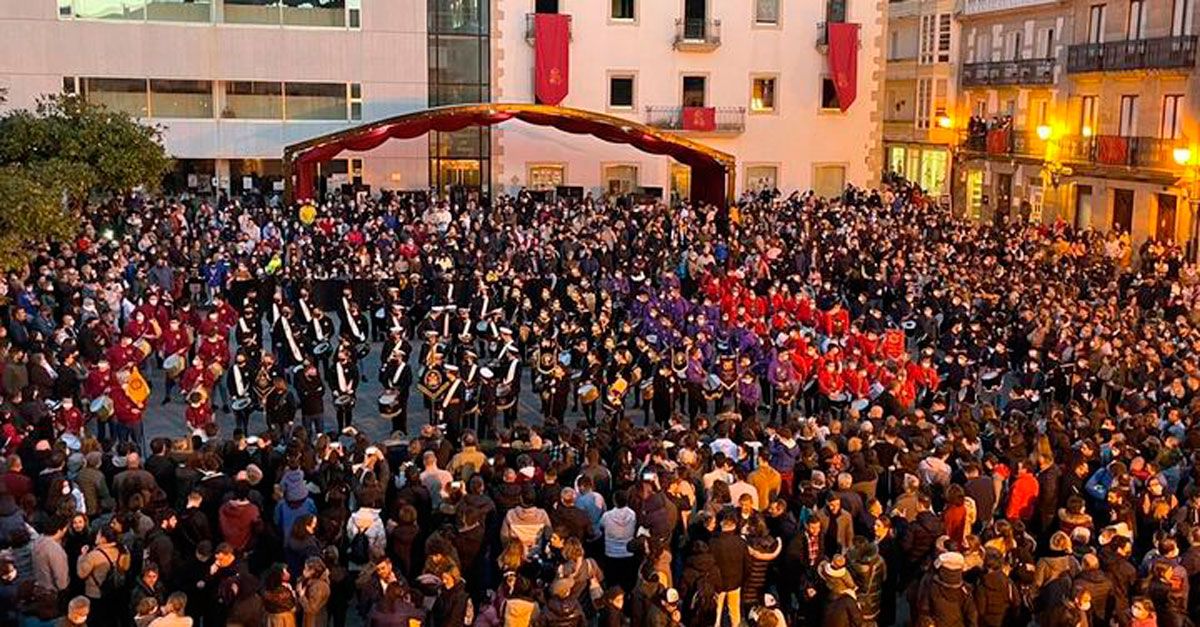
x: 681, y: 182
x: 1122, y: 214
x: 459, y: 173
x: 545, y: 6
x: 1003, y: 197
x: 1083, y: 206
x: 1165, y: 230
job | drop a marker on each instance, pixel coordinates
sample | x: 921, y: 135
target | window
x: 829, y: 180
x: 762, y: 96
x: 928, y: 38
x: 620, y: 179
x: 1135, y: 27
x: 1087, y: 116
x: 129, y: 95
x: 760, y: 177
x: 1181, y: 17
x: 893, y: 45
x: 829, y: 97
x: 138, y: 10
x: 766, y: 12
x: 1045, y: 43
x: 620, y: 92
x: 70, y: 85
x: 943, y: 42
x: 545, y: 6
x: 835, y: 11
x: 1096, y: 24
x: 896, y: 160
x: 622, y: 10
x: 924, y: 102
x: 181, y: 99
x: 1170, y: 127
x: 457, y: 59
x: 983, y: 48
x: 1012, y: 45
x: 694, y: 91
x: 1128, y: 126
x: 1040, y: 109
x: 546, y: 176
x: 315, y: 101
x: 458, y: 16
x: 933, y: 171
x: 356, y: 101
x: 250, y: 100
x: 328, y: 13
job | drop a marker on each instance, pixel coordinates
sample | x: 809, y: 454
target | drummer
x: 214, y: 351
x: 174, y: 348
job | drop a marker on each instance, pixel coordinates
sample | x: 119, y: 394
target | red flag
x: 843, y: 61
x: 1112, y: 150
x: 552, y: 36
x: 997, y: 141
x: 699, y: 119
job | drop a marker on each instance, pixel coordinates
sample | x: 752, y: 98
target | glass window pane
x: 180, y: 99
x: 179, y: 10
x: 315, y: 101
x: 621, y: 92
x: 763, y: 98
x: 252, y: 11
x: 111, y: 9
x: 456, y: 16
x: 456, y: 60
x: 457, y: 94
x: 464, y: 143
x: 622, y: 9
x: 253, y: 101
x: 118, y: 94
x: 767, y: 12
x: 314, y: 12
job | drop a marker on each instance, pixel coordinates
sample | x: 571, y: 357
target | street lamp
x: 944, y: 121
x: 1044, y: 131
x: 1053, y: 169
x: 1191, y: 179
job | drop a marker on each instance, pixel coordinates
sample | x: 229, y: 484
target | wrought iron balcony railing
x: 530, y: 31
x: 1022, y: 72
x: 1161, y: 53
x: 697, y: 34
x: 724, y: 119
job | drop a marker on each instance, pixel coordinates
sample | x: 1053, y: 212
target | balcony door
x: 693, y: 91
x: 1166, y: 218
x: 1122, y: 213
x: 1096, y: 24
x: 1129, y: 116
x: 546, y: 6
x: 1181, y: 17
x: 1135, y: 26
x: 695, y: 19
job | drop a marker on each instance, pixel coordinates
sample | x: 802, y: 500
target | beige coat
x: 314, y: 600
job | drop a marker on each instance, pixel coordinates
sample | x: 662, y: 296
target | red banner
x: 552, y: 37
x: 1112, y: 150
x: 699, y: 119
x: 843, y: 61
x: 998, y: 141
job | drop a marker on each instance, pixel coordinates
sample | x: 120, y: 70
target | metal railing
x: 1021, y: 72
x: 1134, y: 54
x: 975, y: 7
x: 530, y: 31
x: 727, y: 119
x: 1115, y: 150
x: 697, y: 32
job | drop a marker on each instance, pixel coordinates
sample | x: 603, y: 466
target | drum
x: 197, y: 397
x: 504, y: 390
x: 908, y: 325
x: 588, y: 393
x: 481, y: 327
x: 217, y: 370
x: 322, y: 347
x: 341, y: 400
x: 486, y: 372
x: 860, y: 404
x: 102, y: 407
x: 174, y: 365
x: 389, y: 405
x: 647, y: 389
x: 53, y: 404
x: 240, y: 404
x: 839, y: 398
x: 712, y: 383
x: 361, y: 350
x: 564, y: 358
x: 143, y: 347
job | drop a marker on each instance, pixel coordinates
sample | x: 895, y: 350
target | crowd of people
x: 853, y: 411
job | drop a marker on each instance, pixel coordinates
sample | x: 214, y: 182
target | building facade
x: 232, y: 82
x: 920, y: 90
x: 1076, y: 110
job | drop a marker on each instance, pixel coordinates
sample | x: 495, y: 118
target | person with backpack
x: 365, y: 537
x: 996, y: 596
x: 943, y: 599
x: 102, y: 570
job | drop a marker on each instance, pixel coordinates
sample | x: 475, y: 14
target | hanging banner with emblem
x: 552, y: 38
x: 843, y: 61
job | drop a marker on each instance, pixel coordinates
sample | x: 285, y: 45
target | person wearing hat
x: 943, y: 599
x: 841, y: 608
x: 453, y: 403
x: 343, y: 382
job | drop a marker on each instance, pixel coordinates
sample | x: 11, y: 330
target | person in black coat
x: 312, y: 398
x: 729, y: 551
x: 995, y: 594
x: 343, y: 380
x: 450, y: 608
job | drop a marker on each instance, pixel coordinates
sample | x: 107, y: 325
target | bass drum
x: 588, y: 393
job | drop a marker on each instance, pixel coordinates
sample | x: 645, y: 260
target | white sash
x: 354, y: 327
x: 319, y: 331
x: 512, y: 372
x: 304, y: 310
x: 450, y: 393
x: 237, y: 380
x: 343, y: 386
x: 287, y: 332
x: 396, y: 375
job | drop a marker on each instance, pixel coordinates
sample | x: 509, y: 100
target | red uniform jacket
x: 214, y: 352
x: 120, y: 356
x: 176, y: 342
x: 97, y: 383
x: 893, y: 344
x: 829, y: 381
x: 124, y: 409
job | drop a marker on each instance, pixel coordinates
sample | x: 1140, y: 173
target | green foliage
x: 54, y: 158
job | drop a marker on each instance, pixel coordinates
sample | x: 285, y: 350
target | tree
x: 56, y: 157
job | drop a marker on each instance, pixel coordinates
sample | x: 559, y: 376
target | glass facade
x: 459, y: 73
x: 309, y: 13
x: 253, y: 100
x: 181, y: 99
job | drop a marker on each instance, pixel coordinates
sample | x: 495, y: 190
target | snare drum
x: 389, y: 405
x: 240, y: 404
x: 322, y: 347
x: 174, y: 365
x: 588, y: 393
x: 839, y: 398
x: 647, y: 389
x: 102, y: 406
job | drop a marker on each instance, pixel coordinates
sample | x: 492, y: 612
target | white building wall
x: 387, y: 56
x: 798, y: 136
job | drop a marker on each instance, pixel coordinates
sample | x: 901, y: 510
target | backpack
x: 114, y: 581
x: 360, y: 548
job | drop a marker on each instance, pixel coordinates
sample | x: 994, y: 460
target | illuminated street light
x: 944, y: 121
x: 1044, y: 131
x: 1182, y: 155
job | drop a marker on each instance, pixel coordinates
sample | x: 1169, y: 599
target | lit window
x: 181, y: 99
x: 622, y: 9
x: 620, y: 92
x: 620, y: 179
x: 546, y: 177
x: 766, y: 12
x: 253, y: 100
x: 119, y: 94
x: 762, y: 97
x: 760, y: 177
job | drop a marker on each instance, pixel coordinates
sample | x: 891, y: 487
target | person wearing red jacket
x: 69, y: 418
x: 214, y: 351
x: 123, y: 354
x: 176, y: 340
x: 99, y: 380
x: 127, y: 416
x: 1022, y: 496
x: 855, y: 379
x: 893, y: 344
x: 199, y: 412
x: 835, y: 322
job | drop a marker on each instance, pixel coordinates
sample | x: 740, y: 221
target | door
x: 1083, y: 206
x: 693, y: 91
x: 1165, y: 231
x: 681, y: 182
x: 1096, y: 24
x: 695, y: 19
x: 829, y: 181
x: 1003, y: 198
x: 1122, y: 214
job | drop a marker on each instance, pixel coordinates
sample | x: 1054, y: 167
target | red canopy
x: 710, y: 168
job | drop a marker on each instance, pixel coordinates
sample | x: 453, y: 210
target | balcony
x: 1023, y: 72
x: 977, y: 7
x: 1004, y: 142
x: 726, y: 120
x: 697, y: 34
x: 530, y: 31
x: 1162, y: 53
x: 1115, y: 150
